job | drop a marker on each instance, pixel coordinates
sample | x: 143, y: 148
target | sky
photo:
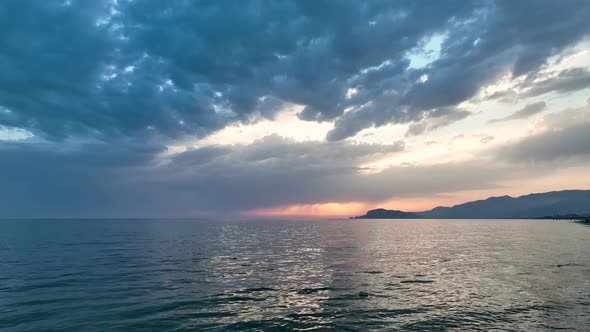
x: 150, y: 108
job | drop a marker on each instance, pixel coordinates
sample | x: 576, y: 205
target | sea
x: 294, y: 275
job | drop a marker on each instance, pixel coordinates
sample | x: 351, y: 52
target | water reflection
x: 260, y: 275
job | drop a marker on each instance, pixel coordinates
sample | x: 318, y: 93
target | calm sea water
x: 341, y: 275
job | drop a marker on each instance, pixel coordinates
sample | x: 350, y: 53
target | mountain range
x: 504, y: 207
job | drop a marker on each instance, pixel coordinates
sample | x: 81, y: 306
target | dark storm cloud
x: 130, y: 68
x: 525, y: 112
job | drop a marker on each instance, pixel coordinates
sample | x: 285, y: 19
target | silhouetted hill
x: 528, y: 206
x: 388, y: 214
x: 553, y: 203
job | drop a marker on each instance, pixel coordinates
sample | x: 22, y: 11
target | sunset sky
x: 151, y: 108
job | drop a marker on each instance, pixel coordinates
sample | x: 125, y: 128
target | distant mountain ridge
x: 506, y: 207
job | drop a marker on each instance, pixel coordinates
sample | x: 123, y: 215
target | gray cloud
x: 45, y: 180
x: 97, y: 181
x: 42, y: 180
x: 565, y: 137
x: 102, y: 180
x: 562, y: 82
x: 105, y: 85
x: 134, y: 68
x: 565, y: 81
x: 499, y: 39
x: 525, y: 112
x: 559, y: 145
x: 486, y: 139
x: 436, y: 119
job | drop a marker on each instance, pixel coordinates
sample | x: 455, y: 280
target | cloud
x: 525, y: 112
x: 438, y: 118
x: 564, y: 136
x: 559, y: 145
x: 565, y: 81
x: 132, y: 68
x: 102, y: 181
x: 111, y: 70
x: 495, y: 41
x: 103, y: 87
x: 561, y: 82
x: 41, y: 180
x: 486, y: 139
x: 44, y: 180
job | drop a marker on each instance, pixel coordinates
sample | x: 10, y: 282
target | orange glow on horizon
x: 351, y: 209
x: 424, y: 203
x: 344, y: 210
x: 323, y: 210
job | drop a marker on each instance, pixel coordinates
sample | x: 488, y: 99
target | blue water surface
x: 271, y: 275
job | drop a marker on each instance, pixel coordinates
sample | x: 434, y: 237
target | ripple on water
x: 417, y: 281
x: 307, y: 275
